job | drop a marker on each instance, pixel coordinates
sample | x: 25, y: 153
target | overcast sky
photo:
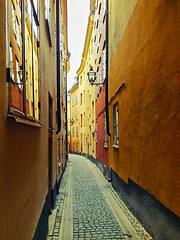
x: 78, y: 12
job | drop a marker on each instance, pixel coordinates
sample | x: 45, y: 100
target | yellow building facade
x: 87, y: 120
x: 29, y: 159
x: 74, y: 118
x: 69, y: 120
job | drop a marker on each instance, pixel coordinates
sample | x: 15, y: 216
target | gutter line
x: 107, y: 65
x: 58, y: 69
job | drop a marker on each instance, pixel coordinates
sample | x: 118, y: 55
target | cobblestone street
x: 87, y: 207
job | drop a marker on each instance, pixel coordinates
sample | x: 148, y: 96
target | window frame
x: 105, y: 131
x: 48, y: 19
x: 18, y: 20
x: 116, y: 125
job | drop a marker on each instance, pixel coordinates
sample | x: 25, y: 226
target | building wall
x: 144, y: 53
x: 24, y: 163
x: 100, y: 68
x: 101, y: 149
x: 87, y: 94
x: 74, y: 119
x: 69, y: 121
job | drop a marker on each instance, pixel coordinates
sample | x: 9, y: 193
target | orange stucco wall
x: 147, y: 59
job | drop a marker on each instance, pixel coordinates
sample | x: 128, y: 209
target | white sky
x: 78, y: 12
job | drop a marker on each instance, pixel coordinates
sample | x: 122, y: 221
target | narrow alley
x: 87, y: 207
x: 89, y: 119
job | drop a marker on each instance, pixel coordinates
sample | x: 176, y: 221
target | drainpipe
x: 23, y: 54
x: 58, y: 69
x: 66, y: 119
x: 107, y: 58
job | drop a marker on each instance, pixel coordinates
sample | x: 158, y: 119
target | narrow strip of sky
x: 78, y: 12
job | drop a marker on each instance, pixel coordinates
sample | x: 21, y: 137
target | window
x: 11, y: 65
x: 95, y: 132
x: 48, y: 19
x: 95, y: 47
x: 115, y: 125
x: 77, y: 131
x: 47, y: 10
x: 76, y: 147
x: 18, y: 33
x: 26, y: 81
x: 13, y: 19
x: 81, y: 120
x: 76, y: 99
x: 99, y: 12
x: 100, y: 76
x: 81, y: 98
x: 84, y: 119
x: 76, y: 115
x: 73, y: 130
x: 93, y: 111
x: 73, y: 146
x: 99, y: 27
x: 93, y: 141
x: 105, y: 131
x: 17, y: 74
x: 104, y: 61
x: 58, y: 147
x: 81, y: 138
x: 104, y: 7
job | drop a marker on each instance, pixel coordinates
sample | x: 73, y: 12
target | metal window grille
x: 115, y: 124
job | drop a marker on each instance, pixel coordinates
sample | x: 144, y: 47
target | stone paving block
x: 92, y: 216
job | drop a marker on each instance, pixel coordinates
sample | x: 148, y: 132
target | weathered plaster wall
x: 24, y: 149
x: 101, y: 151
x: 146, y: 57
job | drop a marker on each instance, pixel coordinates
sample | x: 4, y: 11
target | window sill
x: 21, y: 118
x: 115, y: 145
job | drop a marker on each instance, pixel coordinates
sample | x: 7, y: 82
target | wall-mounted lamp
x: 20, y: 72
x: 68, y: 57
x: 92, y: 77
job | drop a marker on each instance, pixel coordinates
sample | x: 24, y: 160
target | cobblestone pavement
x: 87, y: 207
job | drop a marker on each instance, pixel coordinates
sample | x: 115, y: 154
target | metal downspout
x: 107, y: 65
x: 58, y: 69
x: 66, y: 119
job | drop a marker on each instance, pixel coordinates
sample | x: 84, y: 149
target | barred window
x: 95, y: 132
x: 115, y: 125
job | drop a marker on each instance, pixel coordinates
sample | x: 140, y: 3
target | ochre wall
x: 147, y: 59
x: 24, y: 149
